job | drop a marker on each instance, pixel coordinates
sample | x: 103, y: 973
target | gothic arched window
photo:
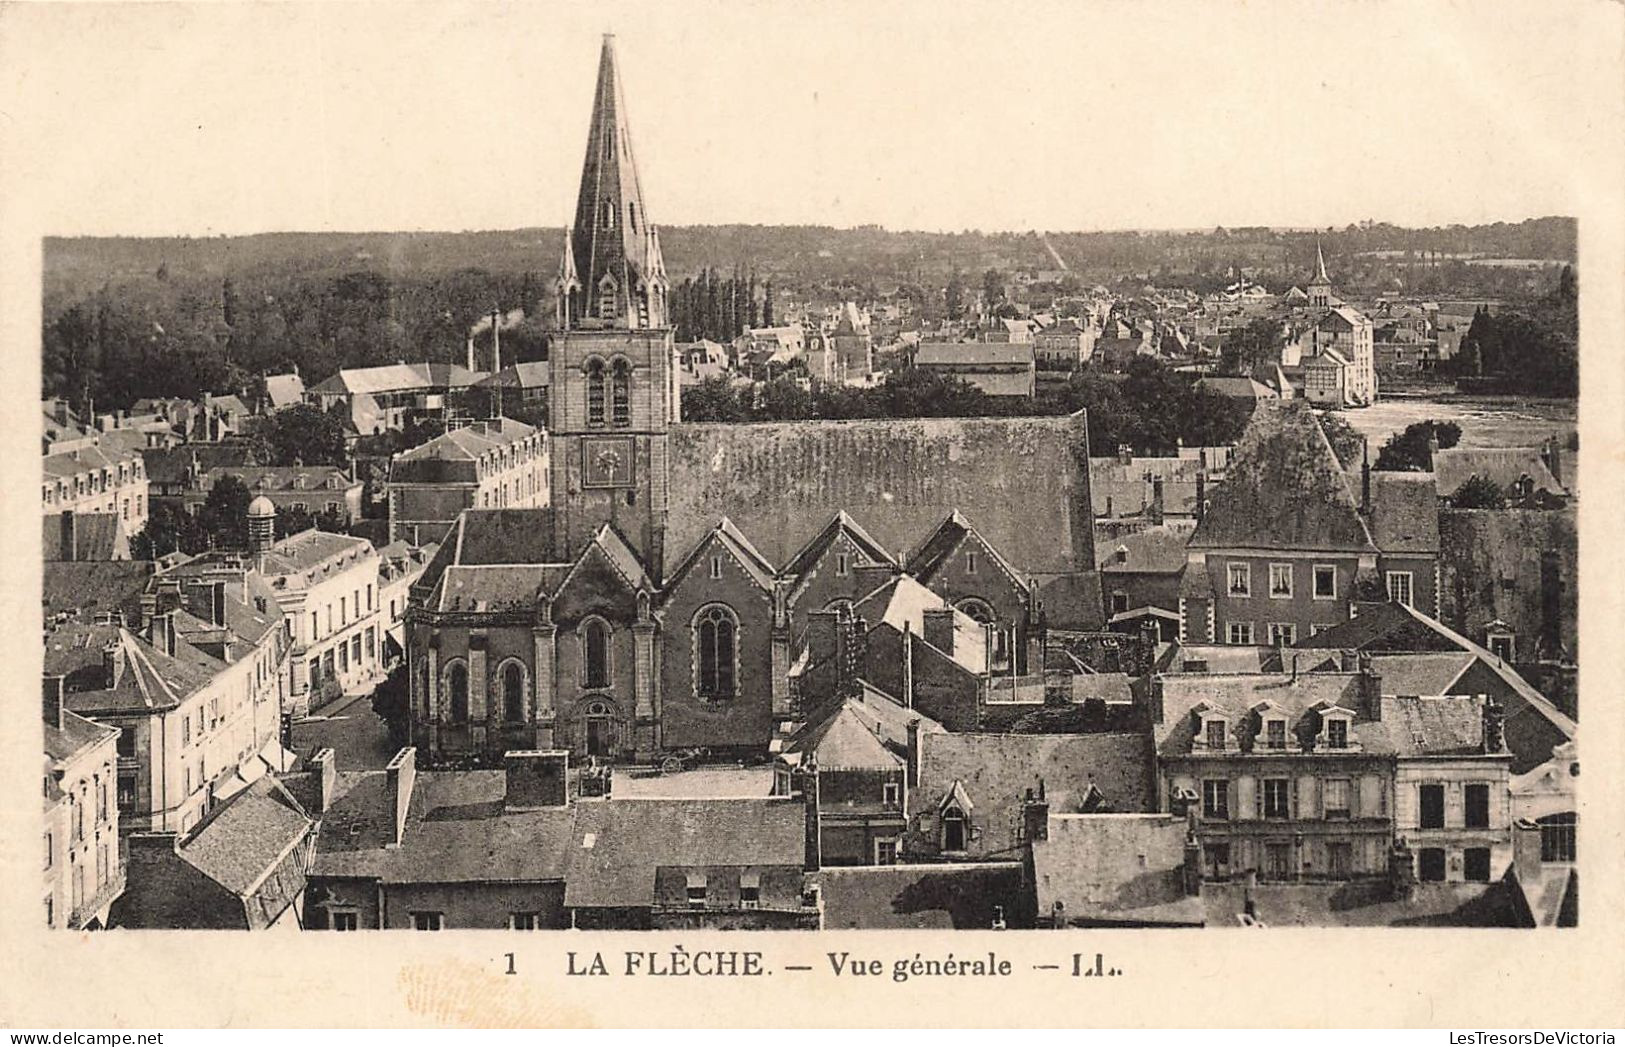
x: 716, y: 652
x: 457, y: 685
x: 620, y: 393
x: 607, y: 213
x: 595, y: 653
x: 606, y: 299
x: 998, y: 635
x: 513, y: 693
x: 595, y: 392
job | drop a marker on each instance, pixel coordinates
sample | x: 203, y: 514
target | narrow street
x: 350, y: 728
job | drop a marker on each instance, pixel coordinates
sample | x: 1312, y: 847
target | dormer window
x: 953, y: 828
x: 1213, y: 733
x: 1337, y: 733
x: 1122, y: 554
x: 1275, y: 733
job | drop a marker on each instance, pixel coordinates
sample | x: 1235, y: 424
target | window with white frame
x: 1241, y: 579
x: 1275, y: 733
x: 1399, y: 587
x: 696, y: 890
x: 891, y: 794
x: 428, y: 921
x: 1216, y: 799
x: 1239, y: 633
x: 525, y: 921
x: 1337, y: 732
x: 750, y: 890
x: 1214, y: 732
x: 1280, y: 581
x: 1325, y: 581
x: 1283, y: 634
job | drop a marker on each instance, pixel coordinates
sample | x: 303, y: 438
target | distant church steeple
x: 1320, y: 288
x: 612, y: 274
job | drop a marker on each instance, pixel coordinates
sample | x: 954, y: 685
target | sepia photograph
x: 788, y: 468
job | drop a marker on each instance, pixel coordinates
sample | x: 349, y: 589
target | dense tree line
x: 719, y: 308
x: 1151, y: 409
x: 1534, y: 349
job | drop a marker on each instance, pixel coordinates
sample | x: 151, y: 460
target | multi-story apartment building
x: 1285, y: 549
x: 312, y: 489
x: 1318, y: 777
x: 196, y: 689
x: 83, y: 869
x: 327, y: 585
x: 89, y: 477
x: 492, y: 464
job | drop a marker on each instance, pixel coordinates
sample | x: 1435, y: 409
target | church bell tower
x: 614, y: 389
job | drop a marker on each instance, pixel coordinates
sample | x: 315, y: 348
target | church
x: 662, y: 601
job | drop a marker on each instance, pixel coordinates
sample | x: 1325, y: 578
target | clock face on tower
x: 607, y: 462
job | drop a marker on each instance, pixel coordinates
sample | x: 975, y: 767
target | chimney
x: 1035, y: 815
x: 161, y: 632
x: 496, y: 341
x: 113, y: 663
x: 939, y: 629
x: 1201, y: 495
x: 52, y: 704
x: 1348, y: 660
x: 470, y: 352
x: 217, y: 603
x: 1370, y: 687
x: 1365, y: 476
x: 70, y: 535
x: 1156, y: 500
x: 1494, y: 725
x: 1551, y: 453
x: 536, y: 778
x: 1125, y: 454
x: 399, y: 775
x: 908, y: 665
x: 804, y: 782
x: 913, y: 730
x: 325, y: 766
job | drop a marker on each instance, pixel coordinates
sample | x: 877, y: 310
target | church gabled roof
x: 730, y: 537
x: 841, y: 523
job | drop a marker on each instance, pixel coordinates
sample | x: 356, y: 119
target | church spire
x: 1320, y: 266
x: 615, y: 257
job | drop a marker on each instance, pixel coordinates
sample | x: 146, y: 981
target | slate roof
x: 393, y: 378
x: 151, y: 680
x: 1156, y: 550
x: 752, y: 562
x: 458, y: 831
x: 1242, y: 388
x: 1505, y: 466
x: 453, y: 455
x: 307, y: 550
x: 996, y: 770
x: 315, y: 478
x: 89, y: 588
x: 82, y: 460
x: 1236, y: 696
x: 505, y: 556
x: 1404, y: 512
x: 76, y: 735
x: 1435, y: 726
x: 534, y: 374
x: 96, y: 536
x: 1429, y: 673
x: 1379, y: 627
x: 496, y: 587
x: 284, y: 390
x: 1018, y: 480
x: 169, y: 465
x: 962, y: 895
x: 1127, y: 490
x: 245, y: 838
x: 1284, y: 490
x: 616, y: 845
x: 935, y: 550
x: 1115, y: 869
x: 974, y: 354
x: 843, y: 740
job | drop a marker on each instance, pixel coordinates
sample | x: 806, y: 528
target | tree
x: 224, y: 514
x: 1258, y: 342
x: 1412, y: 450
x: 955, y: 295
x: 767, y: 304
x: 169, y: 529
x: 1347, y: 443
x: 713, y: 400
x: 992, y: 288
x: 1479, y: 492
x: 302, y: 435
x: 392, y: 703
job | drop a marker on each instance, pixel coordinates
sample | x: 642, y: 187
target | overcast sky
x: 151, y: 119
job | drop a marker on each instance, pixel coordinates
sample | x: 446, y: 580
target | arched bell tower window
x: 632, y: 215
x: 606, y: 299
x: 595, y: 391
x: 620, y: 393
x: 606, y: 211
